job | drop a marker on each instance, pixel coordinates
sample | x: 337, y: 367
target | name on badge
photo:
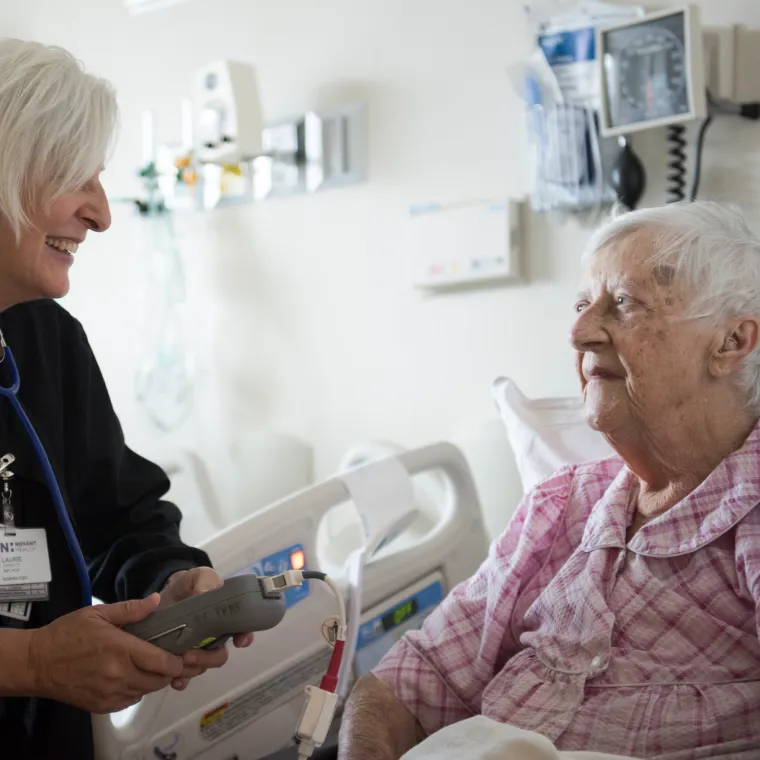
x: 24, y: 557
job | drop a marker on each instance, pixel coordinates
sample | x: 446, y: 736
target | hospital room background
x: 307, y: 335
x: 309, y: 343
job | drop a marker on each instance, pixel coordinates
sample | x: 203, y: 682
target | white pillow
x: 481, y: 738
x: 546, y: 434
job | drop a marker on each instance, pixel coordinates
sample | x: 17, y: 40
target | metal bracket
x: 318, y: 151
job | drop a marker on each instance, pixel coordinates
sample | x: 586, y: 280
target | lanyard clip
x: 9, y: 519
x: 5, y: 463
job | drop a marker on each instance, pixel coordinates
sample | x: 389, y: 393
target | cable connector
x: 274, y: 585
x: 316, y: 719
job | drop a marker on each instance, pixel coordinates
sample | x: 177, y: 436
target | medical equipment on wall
x: 652, y: 75
x: 570, y: 162
x: 627, y: 175
x: 602, y: 74
x: 239, y: 159
x: 464, y: 244
x: 249, y: 708
x: 228, y: 156
x: 652, y: 72
x: 228, y: 113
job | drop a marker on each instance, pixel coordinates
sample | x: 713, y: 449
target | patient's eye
x: 624, y: 301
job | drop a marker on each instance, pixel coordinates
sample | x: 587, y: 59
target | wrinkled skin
x: 662, y: 387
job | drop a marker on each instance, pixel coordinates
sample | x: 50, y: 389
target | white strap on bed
x: 383, y: 495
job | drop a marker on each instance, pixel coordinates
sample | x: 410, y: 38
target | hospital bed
x: 395, y: 534
x: 248, y: 710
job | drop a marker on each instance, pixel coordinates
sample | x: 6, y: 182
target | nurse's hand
x: 184, y: 584
x: 84, y: 658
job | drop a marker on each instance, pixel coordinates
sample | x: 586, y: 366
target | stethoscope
x: 11, y: 393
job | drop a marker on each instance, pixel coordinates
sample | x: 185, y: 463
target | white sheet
x: 481, y: 738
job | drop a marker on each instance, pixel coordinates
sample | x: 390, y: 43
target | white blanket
x: 481, y: 738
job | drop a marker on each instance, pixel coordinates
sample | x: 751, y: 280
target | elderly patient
x: 619, y: 611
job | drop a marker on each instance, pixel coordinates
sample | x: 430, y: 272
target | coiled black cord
x: 698, y: 157
x: 676, y: 179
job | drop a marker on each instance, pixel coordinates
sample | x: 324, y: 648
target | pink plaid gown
x: 648, y: 648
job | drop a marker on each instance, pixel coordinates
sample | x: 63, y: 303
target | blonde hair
x: 57, y: 125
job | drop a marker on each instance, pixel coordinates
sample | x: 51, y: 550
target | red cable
x: 330, y: 679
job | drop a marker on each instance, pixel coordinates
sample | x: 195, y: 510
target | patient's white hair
x: 57, y: 123
x: 709, y: 247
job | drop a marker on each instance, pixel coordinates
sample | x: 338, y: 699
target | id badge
x: 16, y: 610
x: 24, y: 566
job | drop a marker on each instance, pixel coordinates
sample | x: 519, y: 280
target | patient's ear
x: 734, y: 344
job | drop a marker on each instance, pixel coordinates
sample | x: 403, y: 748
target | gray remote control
x: 208, y: 620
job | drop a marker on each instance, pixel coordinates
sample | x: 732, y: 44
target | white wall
x: 301, y: 303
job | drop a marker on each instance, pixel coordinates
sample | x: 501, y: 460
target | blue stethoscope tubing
x: 11, y: 393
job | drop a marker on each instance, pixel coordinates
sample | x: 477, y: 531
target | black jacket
x: 128, y: 534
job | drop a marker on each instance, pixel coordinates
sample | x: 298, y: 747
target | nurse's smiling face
x: 35, y: 264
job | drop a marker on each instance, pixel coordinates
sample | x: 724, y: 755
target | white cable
x: 276, y: 584
x: 319, y: 710
x: 341, y: 606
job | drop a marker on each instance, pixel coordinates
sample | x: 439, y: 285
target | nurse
x: 61, y: 660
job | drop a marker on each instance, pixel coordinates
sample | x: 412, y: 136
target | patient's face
x: 641, y: 364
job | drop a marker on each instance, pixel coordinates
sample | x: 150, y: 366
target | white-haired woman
x: 619, y: 610
x: 59, y: 660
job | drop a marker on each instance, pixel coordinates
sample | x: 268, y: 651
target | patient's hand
x: 184, y: 584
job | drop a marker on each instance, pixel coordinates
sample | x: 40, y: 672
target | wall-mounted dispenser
x: 240, y: 159
x: 227, y: 113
